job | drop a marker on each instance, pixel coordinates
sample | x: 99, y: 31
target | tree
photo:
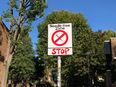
x: 100, y: 37
x: 19, y: 14
x: 111, y: 64
x: 22, y: 67
x: 88, y: 60
x: 72, y: 66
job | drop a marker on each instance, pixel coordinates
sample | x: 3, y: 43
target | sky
x: 100, y: 14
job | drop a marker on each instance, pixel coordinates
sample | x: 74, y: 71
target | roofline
x: 5, y: 26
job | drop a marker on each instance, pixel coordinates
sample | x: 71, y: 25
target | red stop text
x: 60, y: 51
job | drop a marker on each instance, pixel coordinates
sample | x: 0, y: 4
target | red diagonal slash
x: 60, y: 37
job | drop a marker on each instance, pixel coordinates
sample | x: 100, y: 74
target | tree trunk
x: 48, y: 77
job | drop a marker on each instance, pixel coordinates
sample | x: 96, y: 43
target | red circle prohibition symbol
x: 59, y: 37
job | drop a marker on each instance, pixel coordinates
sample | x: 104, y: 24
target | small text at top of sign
x: 59, y: 26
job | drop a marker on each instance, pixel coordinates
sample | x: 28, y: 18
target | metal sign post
x: 59, y: 72
x: 60, y: 43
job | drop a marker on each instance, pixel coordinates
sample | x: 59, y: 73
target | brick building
x: 4, y: 35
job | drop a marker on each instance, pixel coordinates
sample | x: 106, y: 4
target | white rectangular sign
x: 60, y: 39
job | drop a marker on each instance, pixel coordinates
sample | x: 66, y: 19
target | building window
x: 0, y: 52
x: 1, y: 57
x: 0, y: 33
x: 1, y: 39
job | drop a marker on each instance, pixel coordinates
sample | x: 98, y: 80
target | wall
x: 3, y: 50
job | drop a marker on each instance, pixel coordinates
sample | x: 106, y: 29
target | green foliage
x: 88, y: 59
x: 30, y: 9
x: 22, y: 13
x: 23, y: 65
x: 19, y: 14
x: 37, y: 8
x: 82, y: 43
